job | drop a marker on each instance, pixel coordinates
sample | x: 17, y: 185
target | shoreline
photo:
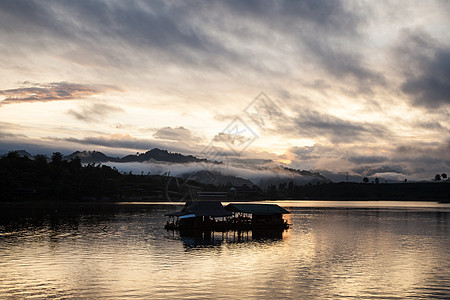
x: 175, y: 202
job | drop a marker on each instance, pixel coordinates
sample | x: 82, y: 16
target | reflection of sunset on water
x: 366, y: 249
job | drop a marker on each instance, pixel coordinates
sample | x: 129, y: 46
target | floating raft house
x: 211, y: 215
x: 261, y: 215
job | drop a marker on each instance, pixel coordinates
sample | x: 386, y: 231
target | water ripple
x: 119, y: 253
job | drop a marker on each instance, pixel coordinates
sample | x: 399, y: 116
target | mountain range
x: 263, y: 172
x: 158, y: 161
x: 154, y: 154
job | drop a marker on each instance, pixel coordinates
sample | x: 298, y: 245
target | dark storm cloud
x: 345, y: 64
x: 313, y: 26
x: 196, y: 33
x: 367, y: 159
x: 133, y: 20
x: 311, y: 124
x: 322, y: 14
x: 94, y: 112
x: 109, y: 27
x: 306, y: 152
x: 54, y: 91
x: 439, y: 151
x: 19, y: 15
x: 431, y: 87
x: 426, y: 66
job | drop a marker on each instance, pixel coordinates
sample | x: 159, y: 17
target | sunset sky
x: 340, y: 86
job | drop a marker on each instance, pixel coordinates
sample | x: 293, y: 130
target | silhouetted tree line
x: 54, y: 178
x: 439, y: 177
x: 360, y: 191
x: 43, y: 178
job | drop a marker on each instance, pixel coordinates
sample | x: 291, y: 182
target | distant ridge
x: 21, y: 153
x: 154, y: 154
x: 90, y: 157
x: 162, y: 155
x: 273, y: 173
x: 212, y: 177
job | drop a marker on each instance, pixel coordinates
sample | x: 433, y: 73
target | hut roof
x: 203, y: 209
x: 257, y: 209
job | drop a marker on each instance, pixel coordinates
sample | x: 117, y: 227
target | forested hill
x: 155, y: 154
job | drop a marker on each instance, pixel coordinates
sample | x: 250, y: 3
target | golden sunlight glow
x: 343, y: 94
x: 285, y: 161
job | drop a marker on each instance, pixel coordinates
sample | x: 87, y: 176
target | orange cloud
x: 54, y: 91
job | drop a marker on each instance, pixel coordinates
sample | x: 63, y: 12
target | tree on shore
x: 57, y: 158
x: 437, y: 177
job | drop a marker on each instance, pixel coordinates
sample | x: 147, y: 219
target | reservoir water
x: 333, y: 250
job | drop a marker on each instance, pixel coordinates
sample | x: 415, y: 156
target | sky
x: 344, y: 86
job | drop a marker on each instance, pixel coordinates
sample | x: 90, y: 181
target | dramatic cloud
x: 427, y: 63
x: 350, y: 86
x: 365, y: 159
x: 94, y: 112
x: 195, y: 34
x: 175, y: 134
x: 54, y: 91
x: 424, y: 154
x: 310, y: 124
x: 413, y: 161
x: 304, y: 153
x: 371, y: 171
x: 162, y: 29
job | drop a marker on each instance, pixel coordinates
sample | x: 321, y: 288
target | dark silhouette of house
x: 198, y: 215
x: 262, y: 215
x: 211, y: 215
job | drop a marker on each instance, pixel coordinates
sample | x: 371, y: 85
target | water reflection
x: 202, y: 239
x: 122, y: 251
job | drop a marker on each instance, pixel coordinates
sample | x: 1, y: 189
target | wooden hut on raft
x: 259, y: 216
x: 211, y: 215
x: 208, y: 215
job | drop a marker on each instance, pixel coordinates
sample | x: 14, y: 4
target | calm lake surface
x: 333, y: 250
